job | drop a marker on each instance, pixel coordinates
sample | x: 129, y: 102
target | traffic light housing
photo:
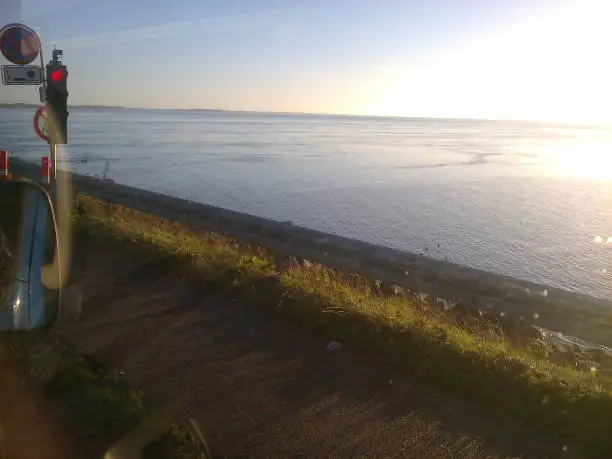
x: 57, y: 102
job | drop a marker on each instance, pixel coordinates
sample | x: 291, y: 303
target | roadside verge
x: 464, y: 354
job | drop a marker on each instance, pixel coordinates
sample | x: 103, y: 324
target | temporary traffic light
x: 57, y: 100
x: 59, y: 75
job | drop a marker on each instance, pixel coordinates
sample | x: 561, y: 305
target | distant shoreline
x: 326, y: 115
x: 20, y: 105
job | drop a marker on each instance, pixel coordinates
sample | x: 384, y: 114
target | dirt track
x: 261, y: 387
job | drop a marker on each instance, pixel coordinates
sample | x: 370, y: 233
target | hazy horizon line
x: 340, y: 115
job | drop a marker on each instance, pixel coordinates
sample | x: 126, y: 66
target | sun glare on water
x: 582, y: 159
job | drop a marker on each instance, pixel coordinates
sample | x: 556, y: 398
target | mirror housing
x: 30, y: 294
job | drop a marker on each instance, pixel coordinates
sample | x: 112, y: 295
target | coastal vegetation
x: 505, y: 366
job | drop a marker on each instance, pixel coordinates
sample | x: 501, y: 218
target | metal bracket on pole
x: 43, y: 91
x: 43, y: 99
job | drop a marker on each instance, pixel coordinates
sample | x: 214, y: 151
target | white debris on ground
x: 566, y: 341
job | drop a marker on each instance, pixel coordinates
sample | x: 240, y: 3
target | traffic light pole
x: 42, y: 93
x: 56, y: 95
x: 43, y: 98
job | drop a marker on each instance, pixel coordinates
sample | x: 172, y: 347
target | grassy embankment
x: 466, y: 355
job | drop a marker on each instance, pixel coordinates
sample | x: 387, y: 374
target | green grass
x: 101, y: 407
x: 472, y: 360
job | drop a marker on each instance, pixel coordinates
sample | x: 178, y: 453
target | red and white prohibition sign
x: 40, y: 123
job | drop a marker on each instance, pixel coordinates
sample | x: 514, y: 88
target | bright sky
x: 496, y: 59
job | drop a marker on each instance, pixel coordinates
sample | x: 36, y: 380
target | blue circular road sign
x: 19, y: 44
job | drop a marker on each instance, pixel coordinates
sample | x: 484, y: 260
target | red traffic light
x: 59, y: 76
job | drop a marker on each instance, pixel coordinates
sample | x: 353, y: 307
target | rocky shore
x: 524, y: 309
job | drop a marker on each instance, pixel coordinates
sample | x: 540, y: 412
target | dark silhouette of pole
x: 57, y: 99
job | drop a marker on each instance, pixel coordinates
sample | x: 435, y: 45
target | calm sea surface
x: 529, y: 200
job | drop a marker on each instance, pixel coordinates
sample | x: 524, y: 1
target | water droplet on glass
x: 604, y: 271
x: 536, y: 315
x: 527, y: 290
x: 502, y: 314
x: 598, y: 239
x: 545, y: 292
x: 564, y: 448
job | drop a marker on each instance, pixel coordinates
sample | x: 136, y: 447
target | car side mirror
x: 30, y: 274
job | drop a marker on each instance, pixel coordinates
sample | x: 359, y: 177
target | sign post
x: 21, y: 45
